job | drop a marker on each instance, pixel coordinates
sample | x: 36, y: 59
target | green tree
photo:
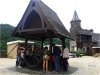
x: 5, y: 35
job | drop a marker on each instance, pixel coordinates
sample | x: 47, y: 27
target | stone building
x: 85, y: 39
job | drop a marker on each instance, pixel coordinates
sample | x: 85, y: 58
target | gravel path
x: 85, y: 65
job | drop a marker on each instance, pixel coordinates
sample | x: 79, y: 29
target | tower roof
x: 75, y: 17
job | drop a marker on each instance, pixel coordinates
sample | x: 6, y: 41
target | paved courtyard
x: 85, y: 65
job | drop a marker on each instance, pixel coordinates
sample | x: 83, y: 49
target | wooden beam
x: 35, y: 29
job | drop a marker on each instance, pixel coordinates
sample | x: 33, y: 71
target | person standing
x: 56, y: 52
x: 65, y: 58
x: 20, y: 49
x: 45, y: 60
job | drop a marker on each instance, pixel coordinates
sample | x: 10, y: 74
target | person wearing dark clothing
x: 56, y: 52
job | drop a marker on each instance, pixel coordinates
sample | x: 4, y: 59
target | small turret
x: 75, y: 18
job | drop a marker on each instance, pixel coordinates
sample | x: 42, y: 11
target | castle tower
x: 75, y: 25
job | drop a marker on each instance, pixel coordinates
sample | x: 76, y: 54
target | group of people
x: 57, y: 56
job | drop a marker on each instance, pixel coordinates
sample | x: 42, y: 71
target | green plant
x: 79, y: 53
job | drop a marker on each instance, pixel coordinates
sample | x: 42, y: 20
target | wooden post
x: 42, y: 43
x: 50, y: 61
x: 50, y: 64
x: 63, y: 41
x: 26, y: 39
x: 26, y: 42
x: 61, y: 58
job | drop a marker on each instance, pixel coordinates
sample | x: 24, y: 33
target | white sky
x: 88, y: 12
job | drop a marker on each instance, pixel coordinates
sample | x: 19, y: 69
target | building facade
x: 84, y: 39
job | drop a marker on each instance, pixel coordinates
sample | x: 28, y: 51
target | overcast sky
x: 88, y: 12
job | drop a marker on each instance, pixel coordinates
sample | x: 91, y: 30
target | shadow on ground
x: 38, y: 72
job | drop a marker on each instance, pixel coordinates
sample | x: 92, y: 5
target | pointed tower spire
x: 75, y: 25
x: 75, y: 17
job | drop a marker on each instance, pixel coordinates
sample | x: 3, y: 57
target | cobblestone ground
x: 85, y: 65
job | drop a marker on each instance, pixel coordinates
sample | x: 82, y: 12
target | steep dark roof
x: 49, y: 20
x: 75, y: 17
x: 84, y: 32
x: 53, y: 19
x: 96, y: 38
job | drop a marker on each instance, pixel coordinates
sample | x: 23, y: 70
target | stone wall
x: 3, y: 54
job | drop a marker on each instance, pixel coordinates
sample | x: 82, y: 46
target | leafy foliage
x: 5, y: 35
